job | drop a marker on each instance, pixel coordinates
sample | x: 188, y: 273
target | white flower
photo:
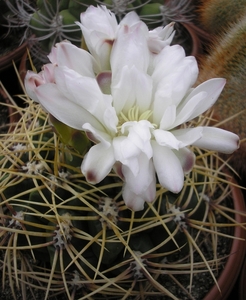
x: 130, y: 99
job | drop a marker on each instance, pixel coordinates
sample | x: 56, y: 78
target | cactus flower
x: 134, y: 106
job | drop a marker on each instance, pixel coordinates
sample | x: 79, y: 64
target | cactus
x: 66, y: 237
x: 226, y: 60
x: 52, y: 21
x: 216, y: 16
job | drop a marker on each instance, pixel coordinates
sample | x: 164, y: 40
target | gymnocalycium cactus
x: 51, y: 21
x: 62, y: 234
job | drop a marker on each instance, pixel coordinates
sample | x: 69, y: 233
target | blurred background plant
x: 50, y: 21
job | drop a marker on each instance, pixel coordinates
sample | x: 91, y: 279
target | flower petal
x: 218, y: 139
x: 168, y: 168
x: 85, y: 92
x: 32, y: 81
x: 139, y: 187
x: 131, y: 87
x: 166, y: 138
x: 98, y: 162
x: 130, y: 41
x: 99, y: 27
x: 187, y: 159
x: 126, y: 152
x: 77, y: 59
x: 66, y: 111
x: 206, y: 93
x: 160, y: 37
x: 187, y: 136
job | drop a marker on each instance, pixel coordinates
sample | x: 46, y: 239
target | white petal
x: 168, y: 117
x: 98, y: 162
x: 217, y: 139
x: 99, y: 19
x: 166, y: 138
x: 139, y: 187
x: 78, y: 89
x: 187, y: 136
x: 139, y: 135
x: 168, y: 168
x: 170, y: 58
x: 132, y: 201
x: 186, y: 113
x: 63, y: 109
x: 160, y: 37
x: 74, y: 58
x: 99, y: 27
x: 85, y: 92
x: 131, y: 87
x: 135, y: 201
x: 126, y: 152
x: 207, y: 94
x: 131, y: 40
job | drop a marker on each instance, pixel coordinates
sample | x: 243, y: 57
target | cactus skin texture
x: 216, y: 15
x: 69, y: 237
x: 227, y: 58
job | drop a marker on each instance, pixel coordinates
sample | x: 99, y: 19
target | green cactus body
x: 84, y: 235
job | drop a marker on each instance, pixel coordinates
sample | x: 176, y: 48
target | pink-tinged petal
x: 32, y: 81
x: 98, y: 162
x: 104, y: 80
x: 75, y: 58
x: 187, y: 159
x: 96, y: 135
x: 168, y: 168
x: 217, y: 139
x: 209, y: 92
x: 48, y: 73
x: 66, y: 111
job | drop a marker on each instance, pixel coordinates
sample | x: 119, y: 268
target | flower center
x: 134, y: 114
